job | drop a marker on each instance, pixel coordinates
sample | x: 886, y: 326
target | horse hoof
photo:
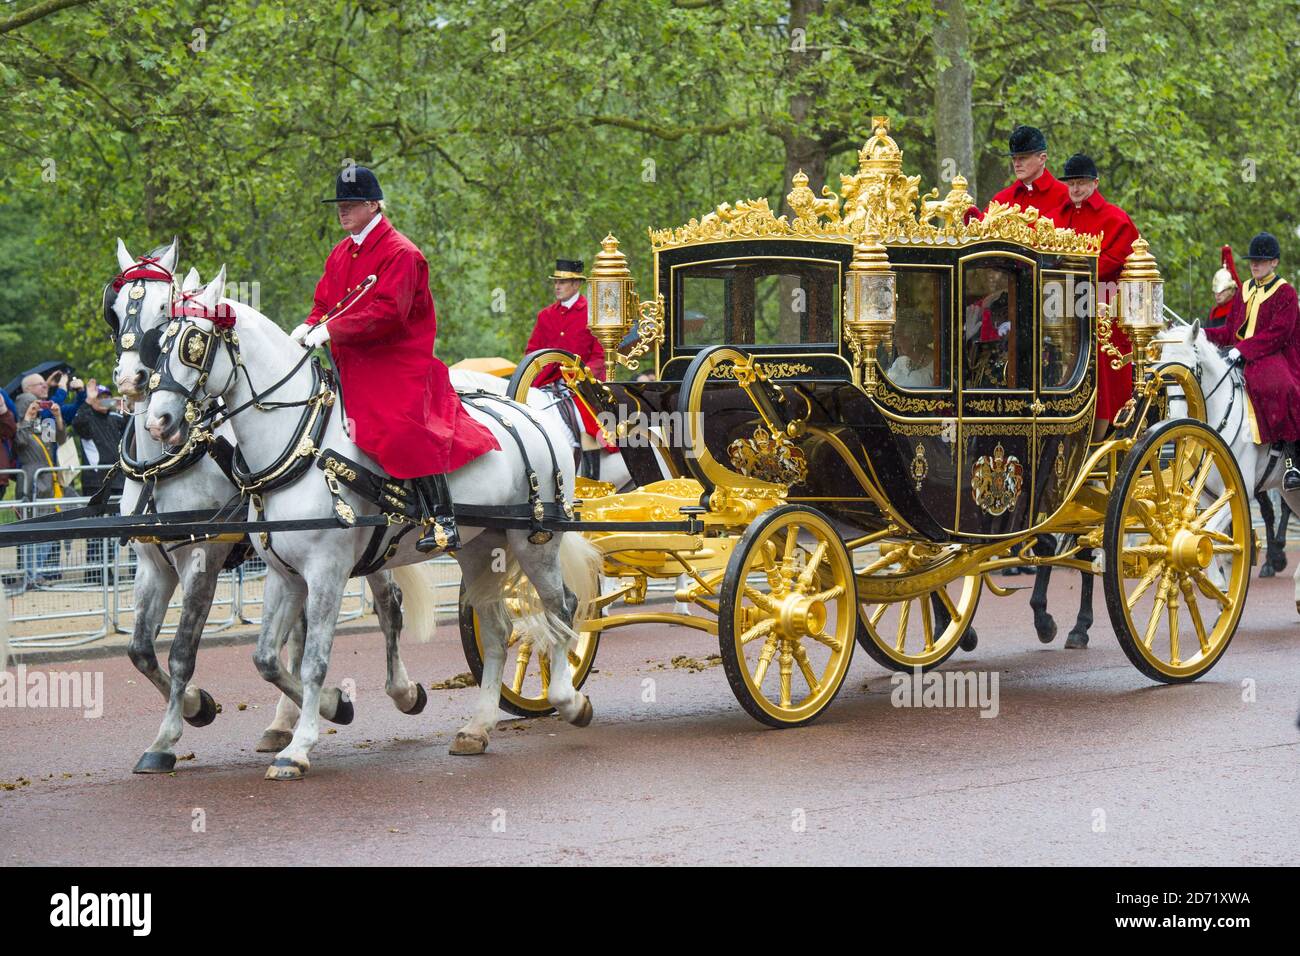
x: 1076, y: 641
x: 273, y: 741
x: 207, y: 712
x: 155, y: 761
x: 584, y: 715
x: 969, y: 641
x: 344, y: 713
x: 468, y: 745
x: 1267, y: 570
x: 282, y: 768
x: 421, y: 698
x: 1047, y: 634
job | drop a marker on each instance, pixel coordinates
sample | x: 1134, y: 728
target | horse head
x: 196, y: 359
x: 135, y: 307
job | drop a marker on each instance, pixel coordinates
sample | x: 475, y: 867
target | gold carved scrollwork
x: 1105, y: 346
x: 879, y: 195
x: 769, y: 457
x: 996, y: 481
x: 746, y: 375
x: 905, y: 403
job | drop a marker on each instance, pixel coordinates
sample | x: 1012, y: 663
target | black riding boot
x: 1291, y: 459
x: 435, y: 514
x: 589, y: 467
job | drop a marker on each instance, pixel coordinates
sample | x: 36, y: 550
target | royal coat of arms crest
x: 996, y: 481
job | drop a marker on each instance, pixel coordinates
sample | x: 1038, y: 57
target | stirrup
x: 440, y: 534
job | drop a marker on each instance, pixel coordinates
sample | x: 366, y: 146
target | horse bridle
x: 128, y: 334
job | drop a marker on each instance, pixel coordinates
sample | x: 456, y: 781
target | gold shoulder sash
x: 1254, y: 300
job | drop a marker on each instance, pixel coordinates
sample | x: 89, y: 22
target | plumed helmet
x: 1223, y: 281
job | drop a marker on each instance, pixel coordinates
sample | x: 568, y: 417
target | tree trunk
x: 954, y: 123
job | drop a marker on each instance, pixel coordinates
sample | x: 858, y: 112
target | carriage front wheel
x: 1178, y: 551
x: 527, y: 676
x: 787, y: 615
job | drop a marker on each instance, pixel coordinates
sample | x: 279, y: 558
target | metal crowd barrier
x: 86, y: 590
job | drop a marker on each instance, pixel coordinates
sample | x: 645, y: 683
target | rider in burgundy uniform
x: 1263, y: 333
x: 1085, y: 210
x: 401, y: 408
x: 563, y: 325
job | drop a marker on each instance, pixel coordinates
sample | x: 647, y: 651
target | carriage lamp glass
x: 869, y: 304
x: 1142, y: 302
x: 612, y: 312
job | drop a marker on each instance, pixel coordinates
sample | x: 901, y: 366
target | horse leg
x: 1278, y: 558
x: 155, y: 582
x: 1044, y: 623
x: 485, y: 592
x: 323, y: 600
x: 1078, y: 636
x: 409, y: 696
x: 541, y: 564
x: 969, y: 639
x: 282, y: 605
x: 200, y: 569
x: 280, y: 731
x: 1270, y: 537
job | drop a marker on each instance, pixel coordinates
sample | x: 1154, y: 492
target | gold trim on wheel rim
x: 920, y: 631
x: 788, y: 616
x: 1178, y: 551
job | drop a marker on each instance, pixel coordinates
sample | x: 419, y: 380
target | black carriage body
x: 984, y: 407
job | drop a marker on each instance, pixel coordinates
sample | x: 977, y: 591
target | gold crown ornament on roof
x: 881, y: 196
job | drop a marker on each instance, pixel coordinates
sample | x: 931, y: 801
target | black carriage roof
x: 880, y: 200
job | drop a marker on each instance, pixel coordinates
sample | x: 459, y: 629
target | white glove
x: 300, y: 332
x: 319, y: 335
x: 1003, y: 329
x: 1234, y: 357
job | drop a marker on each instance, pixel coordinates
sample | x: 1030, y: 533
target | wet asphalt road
x: 1087, y: 762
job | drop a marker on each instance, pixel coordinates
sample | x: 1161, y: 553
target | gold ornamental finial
x: 880, y: 154
x: 799, y: 179
x: 1140, y: 264
x: 610, y: 261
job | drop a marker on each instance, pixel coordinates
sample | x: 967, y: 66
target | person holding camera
x: 36, y: 445
x: 67, y: 391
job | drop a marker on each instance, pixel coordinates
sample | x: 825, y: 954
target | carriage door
x: 1066, y: 384
x: 996, y: 314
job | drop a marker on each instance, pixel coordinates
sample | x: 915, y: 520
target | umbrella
x: 494, y: 365
x: 15, y: 387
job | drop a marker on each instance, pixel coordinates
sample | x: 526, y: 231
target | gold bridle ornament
x: 615, y: 308
x: 869, y: 307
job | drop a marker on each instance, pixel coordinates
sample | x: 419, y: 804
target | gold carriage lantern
x: 1142, y: 303
x: 869, y: 307
x: 615, y: 308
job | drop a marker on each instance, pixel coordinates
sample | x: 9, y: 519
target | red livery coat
x: 404, y: 412
x: 1047, y: 194
x: 1097, y: 217
x: 1264, y: 327
x: 565, y: 327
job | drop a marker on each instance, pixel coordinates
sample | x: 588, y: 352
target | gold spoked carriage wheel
x: 1178, y: 551
x: 787, y: 615
x: 526, y: 677
x: 921, y: 631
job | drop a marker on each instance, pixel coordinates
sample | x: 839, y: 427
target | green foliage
x: 507, y: 134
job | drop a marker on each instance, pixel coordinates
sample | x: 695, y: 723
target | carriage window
x: 919, y: 357
x: 757, y: 302
x: 997, y: 310
x: 1066, y: 312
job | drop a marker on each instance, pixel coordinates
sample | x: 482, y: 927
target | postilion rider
x: 1087, y: 211
x: 1263, y: 334
x: 402, y: 409
x: 563, y: 325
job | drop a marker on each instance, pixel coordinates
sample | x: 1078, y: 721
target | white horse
x: 159, y: 569
x: 1224, y: 388
x: 313, y: 567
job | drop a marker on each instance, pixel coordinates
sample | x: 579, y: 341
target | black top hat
x: 356, y: 184
x: 568, y: 269
x: 1080, y: 166
x: 1027, y: 139
x: 1264, y: 246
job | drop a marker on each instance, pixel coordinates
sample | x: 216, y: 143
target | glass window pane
x: 919, y: 357
x: 758, y: 302
x: 997, y: 312
x: 1066, y: 315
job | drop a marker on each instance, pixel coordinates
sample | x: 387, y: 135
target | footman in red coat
x: 1086, y: 210
x: 1035, y: 187
x: 402, y: 409
x: 1263, y: 333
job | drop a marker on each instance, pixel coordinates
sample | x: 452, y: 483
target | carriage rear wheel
x: 787, y: 615
x: 1178, y: 548
x: 921, y: 631
x: 527, y: 677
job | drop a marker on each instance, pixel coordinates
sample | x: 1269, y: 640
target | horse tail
x: 418, y: 584
x: 580, y: 565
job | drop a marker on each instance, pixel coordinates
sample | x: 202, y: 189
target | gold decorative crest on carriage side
x: 920, y: 468
x: 996, y: 481
x: 881, y: 196
x: 769, y: 456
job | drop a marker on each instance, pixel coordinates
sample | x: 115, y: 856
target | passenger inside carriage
x: 913, y: 341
